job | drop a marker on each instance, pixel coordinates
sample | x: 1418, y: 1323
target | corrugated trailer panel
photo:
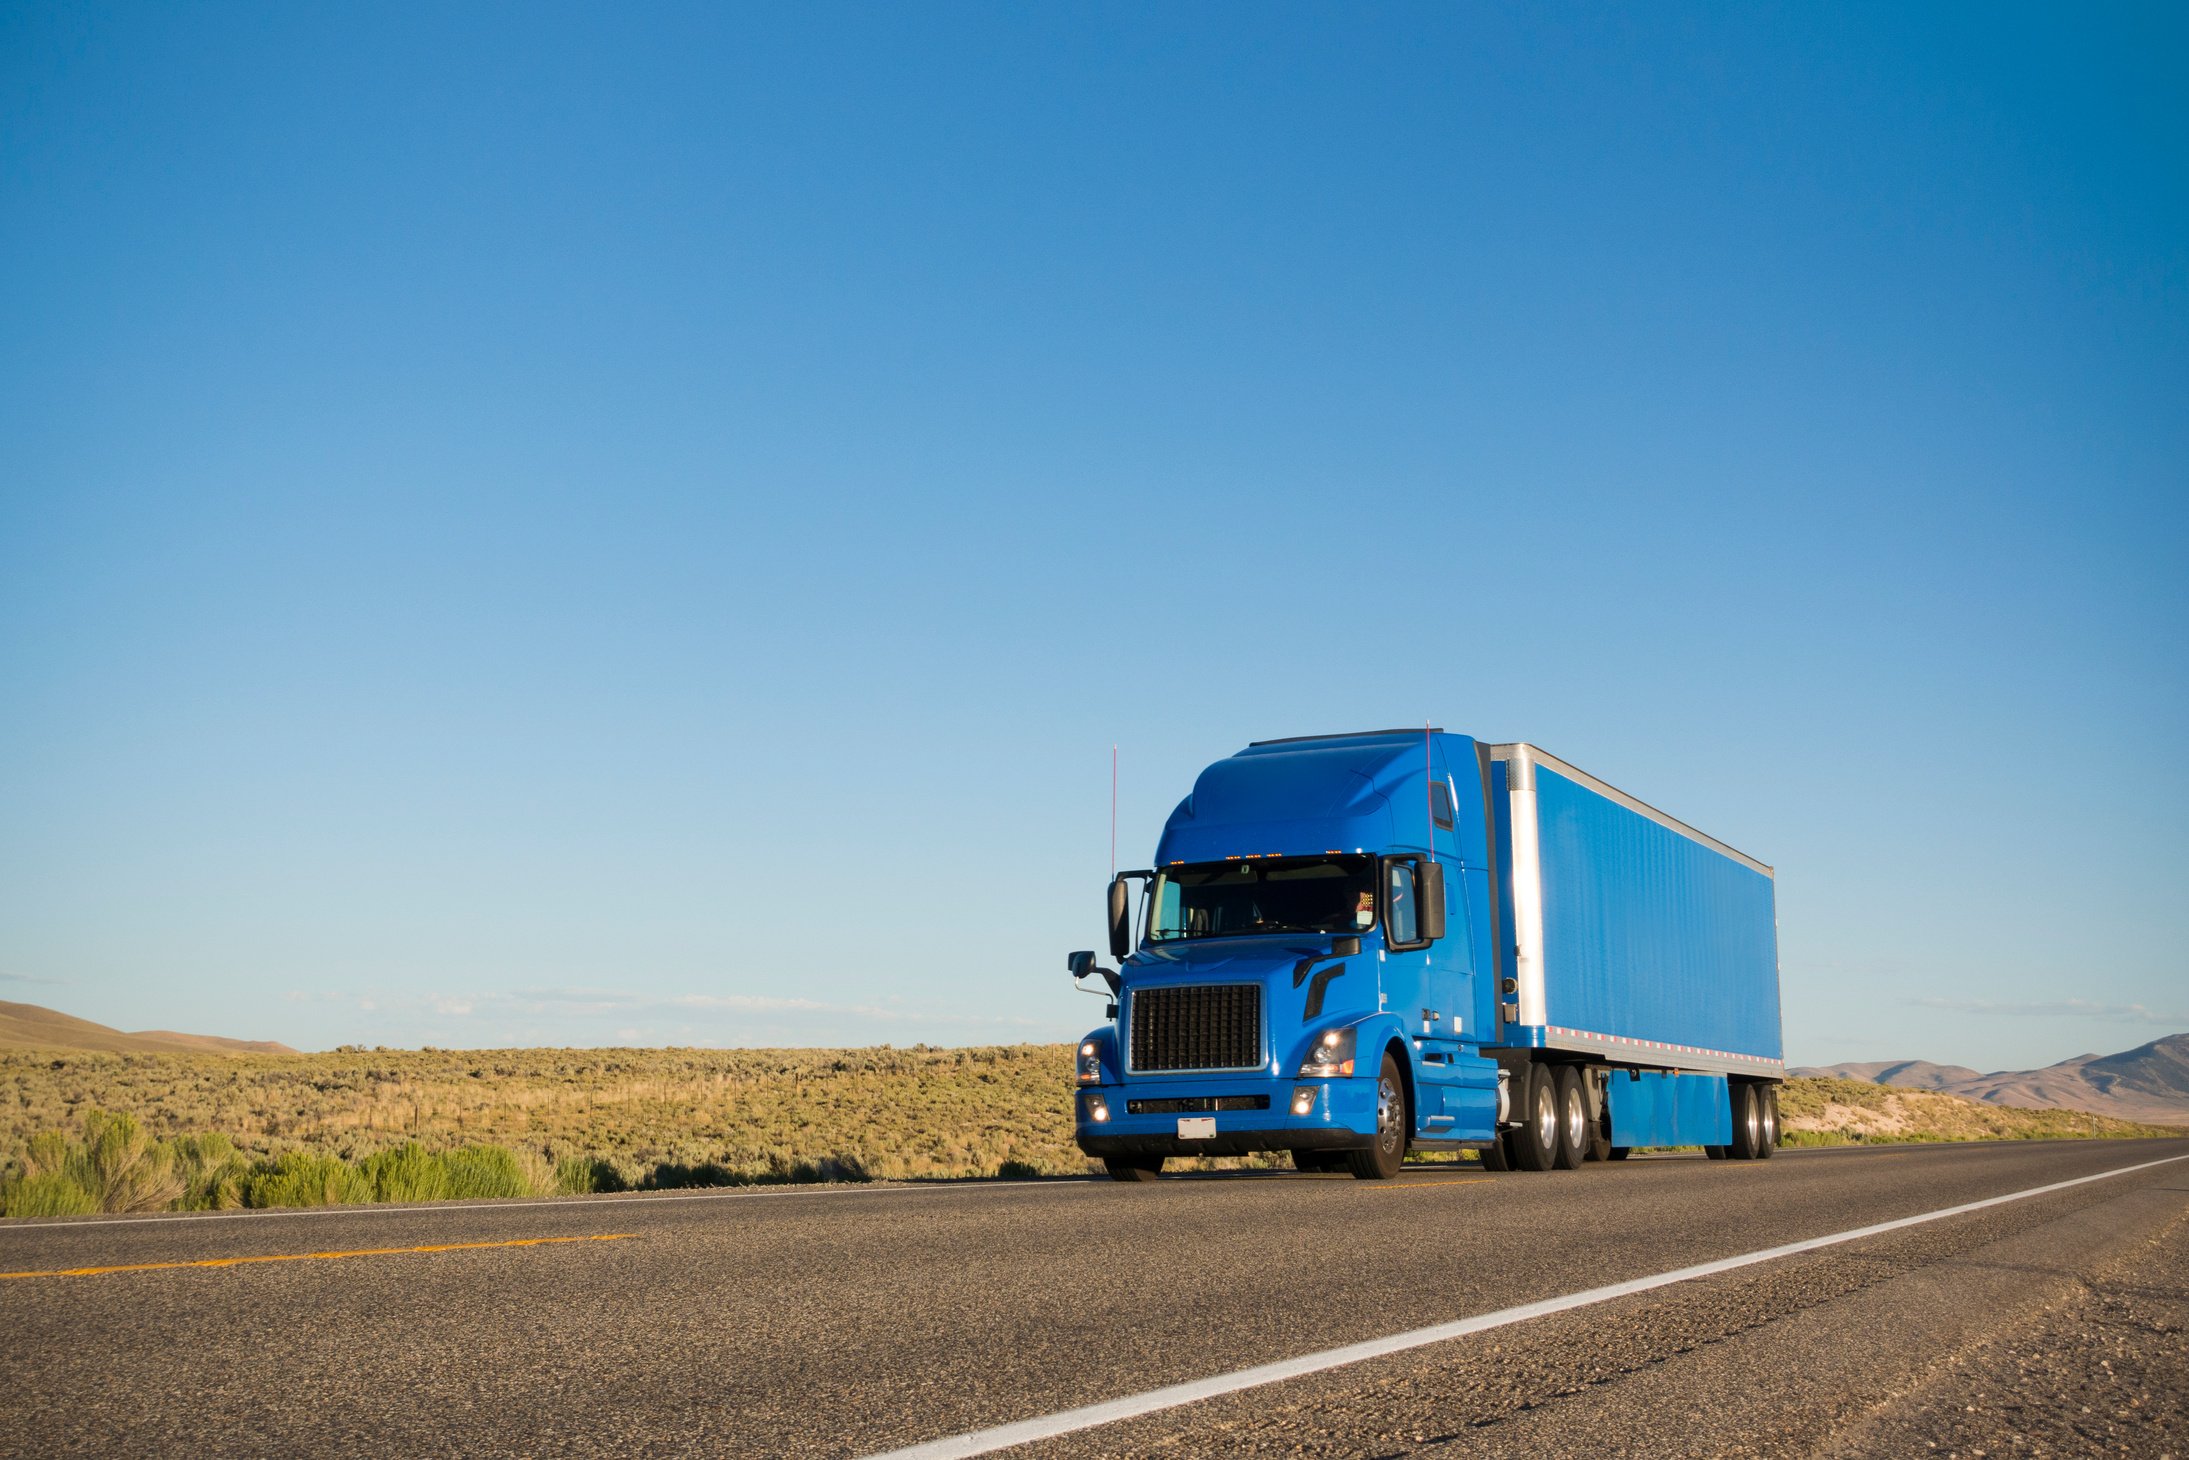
x: 1640, y: 939
x: 1648, y: 934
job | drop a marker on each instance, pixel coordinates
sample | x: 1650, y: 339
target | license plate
x: 1196, y: 1127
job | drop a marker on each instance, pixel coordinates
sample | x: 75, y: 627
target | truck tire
x: 1498, y: 1154
x: 1535, y: 1139
x: 1133, y: 1168
x: 1381, y: 1161
x: 1574, y: 1135
x: 1316, y: 1161
x: 1617, y: 1153
x: 1715, y: 1153
x: 1747, y: 1124
x: 1767, y: 1102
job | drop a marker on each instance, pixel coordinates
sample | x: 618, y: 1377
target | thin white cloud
x: 2059, y: 1008
x: 623, y: 1006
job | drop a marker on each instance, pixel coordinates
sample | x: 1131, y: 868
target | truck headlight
x: 1090, y: 1063
x: 1098, y: 1109
x: 1331, y: 1056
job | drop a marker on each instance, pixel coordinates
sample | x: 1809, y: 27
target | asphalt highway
x: 851, y: 1321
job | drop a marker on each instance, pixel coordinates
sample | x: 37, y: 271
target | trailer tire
x: 1600, y: 1128
x: 1394, y: 1122
x: 1617, y: 1153
x: 1747, y: 1124
x: 1535, y: 1139
x: 1715, y: 1153
x: 1133, y: 1168
x: 1574, y: 1135
x: 1767, y: 1103
x: 1498, y: 1154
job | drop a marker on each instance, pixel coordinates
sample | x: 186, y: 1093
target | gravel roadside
x: 2103, y: 1371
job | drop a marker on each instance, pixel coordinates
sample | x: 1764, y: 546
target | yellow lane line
x: 313, y: 1256
x: 1419, y: 1185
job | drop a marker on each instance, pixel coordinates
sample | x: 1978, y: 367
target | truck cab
x: 1309, y: 966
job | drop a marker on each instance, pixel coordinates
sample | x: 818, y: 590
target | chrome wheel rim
x: 1388, y: 1105
x: 1770, y: 1122
x: 1546, y: 1117
x: 1577, y: 1119
x: 1754, y: 1122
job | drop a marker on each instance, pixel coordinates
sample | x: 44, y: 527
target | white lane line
x: 1003, y: 1437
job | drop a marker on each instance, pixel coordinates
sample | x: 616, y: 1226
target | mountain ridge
x: 32, y: 1026
x: 2148, y: 1083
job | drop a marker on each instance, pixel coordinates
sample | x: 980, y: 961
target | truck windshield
x: 1264, y: 895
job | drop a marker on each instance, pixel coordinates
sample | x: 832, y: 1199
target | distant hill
x: 2149, y: 1082
x: 26, y: 1026
x: 1912, y: 1074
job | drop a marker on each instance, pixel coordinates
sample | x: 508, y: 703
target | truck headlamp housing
x: 1090, y: 1063
x: 1330, y: 1057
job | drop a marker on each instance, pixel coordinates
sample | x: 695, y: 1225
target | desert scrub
x: 747, y: 1115
x: 1835, y: 1112
x: 129, y: 1132
x: 114, y: 1166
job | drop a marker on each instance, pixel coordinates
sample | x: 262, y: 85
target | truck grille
x: 1208, y: 1026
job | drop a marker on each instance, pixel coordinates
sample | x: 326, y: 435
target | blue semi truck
x: 1355, y: 945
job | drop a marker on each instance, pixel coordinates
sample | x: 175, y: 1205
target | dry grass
x: 1831, y: 1112
x: 414, y: 1124
x: 739, y: 1114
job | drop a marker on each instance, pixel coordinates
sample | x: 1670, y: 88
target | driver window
x: 1399, y: 912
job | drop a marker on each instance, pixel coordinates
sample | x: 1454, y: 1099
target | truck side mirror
x: 1083, y: 963
x: 1121, y: 919
x: 1432, y: 901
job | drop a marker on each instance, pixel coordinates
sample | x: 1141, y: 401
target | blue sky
x: 529, y: 526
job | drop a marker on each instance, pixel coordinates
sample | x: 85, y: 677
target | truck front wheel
x: 1381, y: 1161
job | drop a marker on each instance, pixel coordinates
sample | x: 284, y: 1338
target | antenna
x: 1113, y: 811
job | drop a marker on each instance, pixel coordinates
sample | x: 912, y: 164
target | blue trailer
x: 1351, y: 946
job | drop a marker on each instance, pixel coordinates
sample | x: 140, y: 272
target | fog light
x: 1098, y: 1109
x: 1303, y: 1100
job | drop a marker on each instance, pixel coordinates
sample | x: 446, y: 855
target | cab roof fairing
x: 1353, y: 790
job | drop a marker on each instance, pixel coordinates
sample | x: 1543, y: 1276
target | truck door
x: 1430, y: 986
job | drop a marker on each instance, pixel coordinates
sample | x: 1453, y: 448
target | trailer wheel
x: 1573, y: 1121
x: 1381, y: 1161
x: 1600, y: 1128
x: 1133, y: 1168
x: 1767, y: 1105
x: 1535, y: 1139
x: 1617, y: 1153
x: 1715, y: 1153
x: 1747, y: 1124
